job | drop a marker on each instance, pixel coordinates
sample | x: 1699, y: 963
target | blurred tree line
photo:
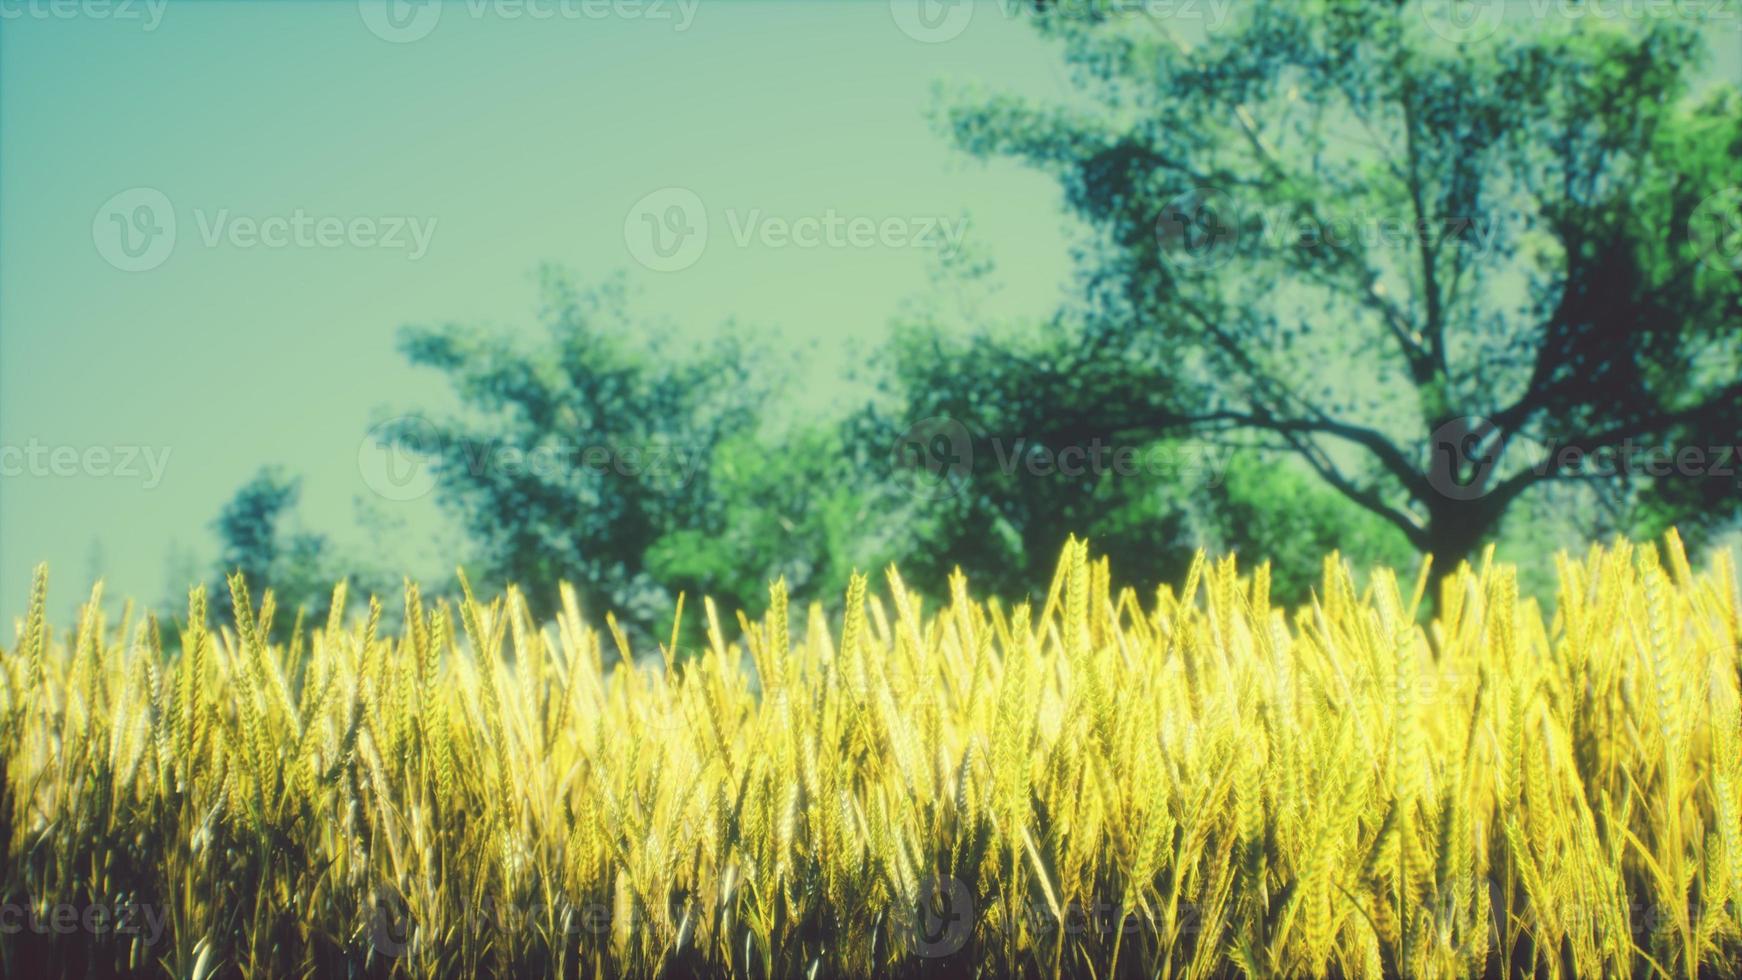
x: 1343, y: 259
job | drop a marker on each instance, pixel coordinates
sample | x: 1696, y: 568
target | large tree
x: 1378, y: 240
x: 1002, y: 449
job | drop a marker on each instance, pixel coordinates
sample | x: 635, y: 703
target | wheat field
x: 1194, y: 784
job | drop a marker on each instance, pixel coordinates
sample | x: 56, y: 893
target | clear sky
x: 506, y: 141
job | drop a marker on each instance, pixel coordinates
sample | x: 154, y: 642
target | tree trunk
x: 1455, y: 532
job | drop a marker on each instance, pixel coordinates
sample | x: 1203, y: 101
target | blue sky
x: 429, y: 179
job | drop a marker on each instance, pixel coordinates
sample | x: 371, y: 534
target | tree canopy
x: 1332, y: 228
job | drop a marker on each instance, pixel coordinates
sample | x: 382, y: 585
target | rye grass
x: 1199, y: 784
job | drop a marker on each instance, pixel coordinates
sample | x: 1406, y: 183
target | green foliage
x: 576, y: 454
x: 1337, y: 256
x: 1042, y: 390
x: 1328, y: 226
x: 789, y: 508
x: 1010, y: 397
x: 1268, y: 509
x: 259, y: 539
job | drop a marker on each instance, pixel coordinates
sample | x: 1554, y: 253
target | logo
x: 390, y: 926
x: 392, y: 458
x: 943, y: 918
x: 400, y: 21
x: 1198, y: 229
x: 667, y: 230
x: 934, y: 457
x: 1463, y: 456
x: 1463, y: 21
x: 135, y: 230
x: 932, y: 21
x: 1715, y: 228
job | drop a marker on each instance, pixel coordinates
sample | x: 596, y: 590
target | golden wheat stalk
x: 1205, y: 785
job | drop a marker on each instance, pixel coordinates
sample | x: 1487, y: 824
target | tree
x: 1000, y: 454
x: 982, y: 433
x: 1351, y: 232
x: 575, y: 455
x: 1266, y: 508
x: 790, y: 507
x: 257, y: 540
